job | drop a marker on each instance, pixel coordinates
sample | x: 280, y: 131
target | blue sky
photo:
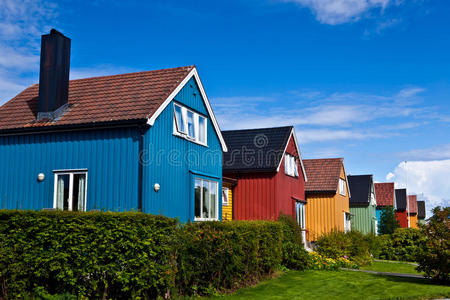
x: 367, y: 80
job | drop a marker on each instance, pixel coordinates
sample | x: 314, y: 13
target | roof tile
x: 323, y: 174
x: 385, y: 193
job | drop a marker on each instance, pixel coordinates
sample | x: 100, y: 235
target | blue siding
x: 170, y: 159
x: 111, y: 157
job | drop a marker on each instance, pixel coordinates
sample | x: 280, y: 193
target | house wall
x: 413, y: 221
x: 402, y: 218
x: 227, y: 210
x: 173, y: 162
x: 325, y: 212
x: 288, y: 186
x: 110, y: 156
x: 254, y: 196
x: 364, y: 218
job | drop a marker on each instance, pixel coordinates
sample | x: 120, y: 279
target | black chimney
x: 54, y: 75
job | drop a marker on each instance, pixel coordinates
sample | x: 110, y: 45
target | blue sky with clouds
x: 367, y: 80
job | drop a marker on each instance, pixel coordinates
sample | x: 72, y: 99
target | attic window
x: 290, y: 165
x: 189, y: 124
x: 342, y: 186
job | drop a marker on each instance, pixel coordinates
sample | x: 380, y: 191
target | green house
x: 363, y: 203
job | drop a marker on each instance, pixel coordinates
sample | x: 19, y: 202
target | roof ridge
x: 260, y: 128
x: 130, y: 73
x: 334, y: 158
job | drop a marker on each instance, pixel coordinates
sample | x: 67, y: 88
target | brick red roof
x: 122, y: 97
x: 323, y: 174
x: 412, y: 204
x: 385, y: 193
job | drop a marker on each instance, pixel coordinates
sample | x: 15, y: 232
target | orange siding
x: 413, y: 221
x: 325, y: 212
x: 227, y: 210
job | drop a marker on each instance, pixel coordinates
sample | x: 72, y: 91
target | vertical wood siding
x: 172, y: 159
x: 364, y: 218
x: 111, y: 157
x: 325, y: 212
x: 227, y: 210
x: 402, y: 218
x: 413, y: 221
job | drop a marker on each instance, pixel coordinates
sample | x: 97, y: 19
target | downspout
x: 141, y: 130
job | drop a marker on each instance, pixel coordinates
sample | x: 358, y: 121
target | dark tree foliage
x: 388, y: 221
x: 434, y: 254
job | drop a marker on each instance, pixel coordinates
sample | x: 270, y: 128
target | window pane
x: 286, y: 164
x: 198, y: 195
x: 179, y: 118
x: 295, y: 167
x: 206, y: 199
x: 225, y: 196
x: 190, y: 122
x: 201, y: 129
x: 62, y: 192
x: 213, y: 199
x: 79, y: 192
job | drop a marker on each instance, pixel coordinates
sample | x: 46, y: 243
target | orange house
x: 412, y: 214
x: 327, y: 196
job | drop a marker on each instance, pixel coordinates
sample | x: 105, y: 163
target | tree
x: 388, y: 221
x: 434, y: 254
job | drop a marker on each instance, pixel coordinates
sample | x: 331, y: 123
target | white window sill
x: 187, y: 138
x: 204, y: 219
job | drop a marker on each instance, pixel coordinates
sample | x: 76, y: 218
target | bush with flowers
x: 320, y: 262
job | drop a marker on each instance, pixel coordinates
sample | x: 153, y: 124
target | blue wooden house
x: 144, y: 141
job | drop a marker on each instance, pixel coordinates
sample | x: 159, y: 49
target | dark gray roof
x: 360, y: 188
x: 401, y: 197
x: 421, y: 209
x: 255, y: 149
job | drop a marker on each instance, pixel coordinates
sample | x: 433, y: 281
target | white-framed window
x: 347, y: 222
x: 70, y: 190
x: 300, y: 216
x: 342, y: 186
x: 225, y: 196
x: 290, y: 165
x: 189, y: 124
x: 206, y: 200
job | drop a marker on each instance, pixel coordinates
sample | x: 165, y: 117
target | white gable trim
x: 298, y: 151
x: 166, y: 102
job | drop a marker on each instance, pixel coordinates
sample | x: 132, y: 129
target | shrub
x: 92, y: 255
x: 215, y: 256
x: 338, y: 244
x: 295, y: 257
x: 388, y: 221
x: 320, y: 262
x: 402, y: 245
x: 433, y: 255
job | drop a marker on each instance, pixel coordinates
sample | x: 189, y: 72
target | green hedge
x: 132, y: 255
x: 86, y: 254
x: 403, y: 244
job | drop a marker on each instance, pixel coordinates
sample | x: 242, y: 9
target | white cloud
x: 428, y: 179
x: 433, y: 153
x: 21, y: 25
x: 319, y: 116
x: 335, y: 12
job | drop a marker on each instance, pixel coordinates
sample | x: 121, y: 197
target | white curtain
x: 81, y: 190
x: 60, y: 193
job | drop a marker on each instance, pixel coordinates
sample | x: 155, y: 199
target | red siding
x: 402, y: 218
x: 261, y: 196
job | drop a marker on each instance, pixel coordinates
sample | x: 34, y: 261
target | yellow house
x: 412, y: 212
x: 227, y: 198
x: 327, y: 196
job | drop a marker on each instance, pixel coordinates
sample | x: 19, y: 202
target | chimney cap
x: 53, y: 31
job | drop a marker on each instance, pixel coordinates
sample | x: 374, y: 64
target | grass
x: 393, y: 267
x: 341, y: 285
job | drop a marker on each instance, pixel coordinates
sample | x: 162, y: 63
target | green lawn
x: 341, y: 285
x: 393, y: 267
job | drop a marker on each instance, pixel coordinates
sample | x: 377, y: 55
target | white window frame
x: 226, y: 192
x: 184, y: 117
x: 71, y: 174
x: 342, y: 189
x: 290, y: 165
x: 201, y: 199
x: 347, y: 223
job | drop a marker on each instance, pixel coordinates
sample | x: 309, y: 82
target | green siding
x: 364, y: 218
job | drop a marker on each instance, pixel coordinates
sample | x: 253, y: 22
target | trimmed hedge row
x: 132, y: 255
x: 87, y: 254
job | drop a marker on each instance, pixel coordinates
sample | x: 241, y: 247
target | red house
x: 402, y: 207
x: 268, y: 168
